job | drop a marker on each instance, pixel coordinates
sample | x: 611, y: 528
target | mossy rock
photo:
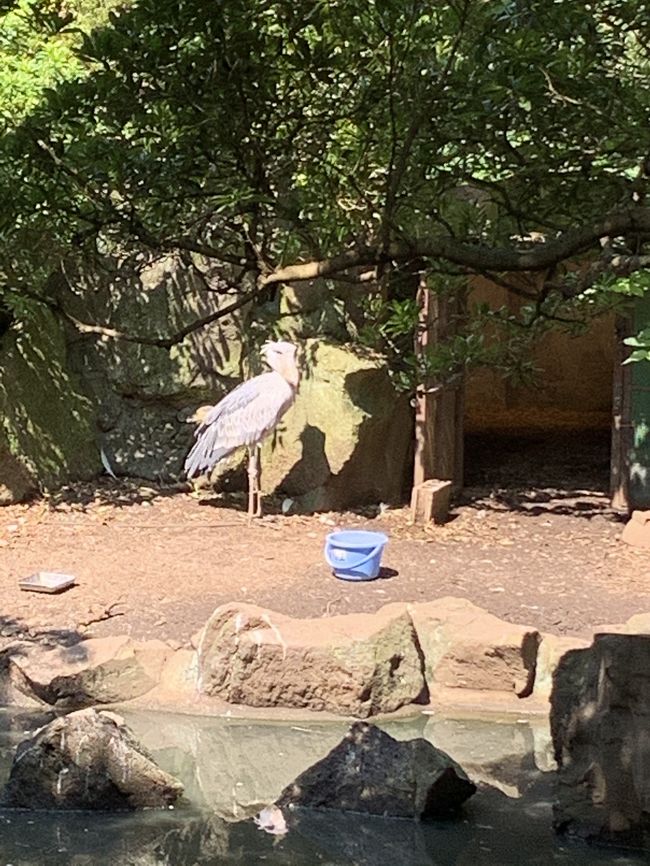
x: 47, y: 431
x: 347, y: 439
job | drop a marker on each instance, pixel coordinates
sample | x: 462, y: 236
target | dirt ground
x: 155, y: 562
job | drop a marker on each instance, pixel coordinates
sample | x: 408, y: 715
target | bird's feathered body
x: 247, y: 414
x: 243, y: 417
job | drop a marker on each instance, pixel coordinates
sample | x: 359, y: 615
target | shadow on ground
x: 540, y: 501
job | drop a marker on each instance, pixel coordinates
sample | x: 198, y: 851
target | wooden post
x: 425, y: 403
x: 438, y: 416
x: 622, y: 427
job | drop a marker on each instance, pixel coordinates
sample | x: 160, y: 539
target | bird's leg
x: 254, y: 497
x: 258, y: 475
x: 252, y: 479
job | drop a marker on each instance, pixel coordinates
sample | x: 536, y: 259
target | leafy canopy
x: 289, y: 140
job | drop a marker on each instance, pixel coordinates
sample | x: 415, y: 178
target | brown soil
x: 155, y: 562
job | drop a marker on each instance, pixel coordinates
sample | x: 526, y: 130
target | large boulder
x: 370, y: 772
x: 347, y: 439
x: 87, y: 760
x: 95, y: 671
x: 600, y: 722
x: 466, y: 647
x: 359, y: 664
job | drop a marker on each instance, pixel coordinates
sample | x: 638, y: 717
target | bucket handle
x: 358, y: 563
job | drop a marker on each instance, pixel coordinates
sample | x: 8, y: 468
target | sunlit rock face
x: 95, y: 671
x: 347, y: 440
x: 87, y: 760
x: 600, y: 720
x: 466, y: 647
x: 357, y: 665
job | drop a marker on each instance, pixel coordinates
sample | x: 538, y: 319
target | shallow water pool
x: 231, y: 768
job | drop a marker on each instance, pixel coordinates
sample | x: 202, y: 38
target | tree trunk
x: 439, y: 407
x: 425, y: 402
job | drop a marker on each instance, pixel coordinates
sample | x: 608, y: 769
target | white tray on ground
x: 46, y: 581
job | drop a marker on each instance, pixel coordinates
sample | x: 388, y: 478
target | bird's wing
x: 231, y: 404
x: 243, y: 417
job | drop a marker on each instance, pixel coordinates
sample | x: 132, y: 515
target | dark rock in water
x: 371, y: 772
x: 87, y: 760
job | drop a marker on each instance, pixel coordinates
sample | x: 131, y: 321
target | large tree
x: 284, y: 141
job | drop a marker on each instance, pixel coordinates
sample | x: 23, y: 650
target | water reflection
x: 186, y: 838
x: 494, y: 829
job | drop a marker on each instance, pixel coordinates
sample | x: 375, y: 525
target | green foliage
x: 261, y: 133
x: 38, y: 42
x: 635, y: 285
x: 641, y: 346
x: 483, y: 336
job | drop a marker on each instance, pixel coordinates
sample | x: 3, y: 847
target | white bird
x: 245, y: 417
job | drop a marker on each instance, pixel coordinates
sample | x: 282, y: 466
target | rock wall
x: 347, y: 441
x: 47, y: 426
x: 67, y: 394
x: 144, y: 393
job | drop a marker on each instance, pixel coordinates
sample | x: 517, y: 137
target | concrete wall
x: 573, y: 387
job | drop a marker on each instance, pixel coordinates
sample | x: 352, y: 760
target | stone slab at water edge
x: 448, y: 653
x: 354, y: 665
x: 95, y: 671
x: 466, y: 647
x: 87, y: 760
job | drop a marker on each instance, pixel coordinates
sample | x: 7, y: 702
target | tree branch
x: 537, y: 257
x: 160, y: 342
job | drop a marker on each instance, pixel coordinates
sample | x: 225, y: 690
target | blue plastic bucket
x: 354, y: 554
